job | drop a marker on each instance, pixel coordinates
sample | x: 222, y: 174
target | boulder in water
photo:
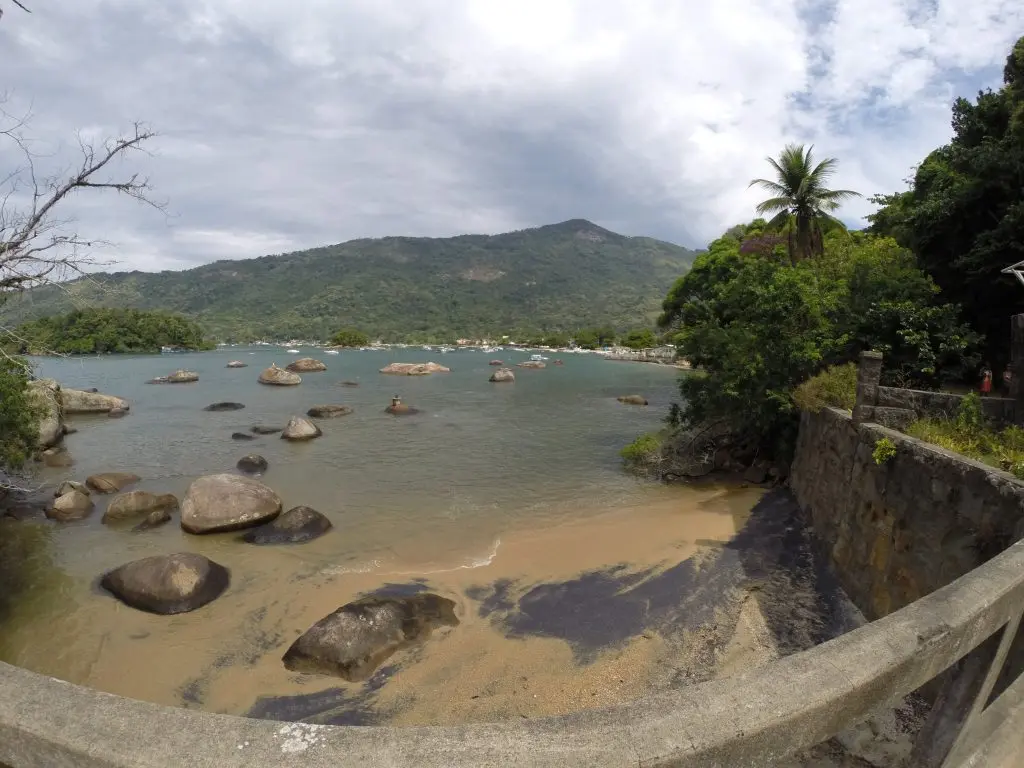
x: 73, y: 505
x: 126, y: 506
x: 253, y: 464
x: 167, y: 584
x: 227, y: 502
x: 279, y: 377
x: 328, y: 411
x: 86, y: 401
x: 111, y: 482
x: 178, y: 377
x: 299, y: 428
x: 46, y: 395
x: 297, y: 525
x: 496, y: 362
x: 260, y: 430
x: 532, y: 364
x: 306, y: 365
x: 632, y: 399
x: 117, y: 413
x: 226, y: 406
x: 154, y: 519
x: 401, y: 409
x: 503, y: 374
x: 350, y: 383
x: 358, y: 637
x: 237, y: 364
x: 71, y: 485
x: 57, y: 456
x: 414, y: 369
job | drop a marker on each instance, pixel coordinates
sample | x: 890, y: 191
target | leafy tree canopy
x: 92, y: 331
x: 639, y: 338
x: 350, y: 337
x: 19, y: 414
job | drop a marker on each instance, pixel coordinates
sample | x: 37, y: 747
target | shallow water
x: 570, y: 577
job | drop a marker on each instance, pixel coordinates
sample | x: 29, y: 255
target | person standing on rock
x: 986, y: 381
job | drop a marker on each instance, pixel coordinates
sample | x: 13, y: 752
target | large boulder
x: 226, y: 406
x: 279, y: 377
x: 297, y: 525
x: 237, y: 364
x: 111, y: 482
x: 632, y: 399
x: 84, y: 401
x: 502, y: 375
x: 71, y: 485
x: 306, y: 365
x: 414, y: 369
x: 358, y: 637
x: 328, y: 411
x: 46, y: 395
x: 167, y: 584
x: 253, y: 464
x: 73, y: 505
x: 226, y: 503
x: 132, y: 504
x: 299, y: 428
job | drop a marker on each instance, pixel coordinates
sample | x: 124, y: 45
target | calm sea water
x: 480, y: 457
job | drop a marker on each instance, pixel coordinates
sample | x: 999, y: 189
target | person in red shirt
x: 986, y: 381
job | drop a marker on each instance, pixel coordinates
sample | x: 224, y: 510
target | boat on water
x: 173, y: 350
x: 537, y: 358
x: 330, y: 351
x: 293, y: 351
x: 447, y: 349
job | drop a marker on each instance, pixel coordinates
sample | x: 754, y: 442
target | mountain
x: 559, y: 277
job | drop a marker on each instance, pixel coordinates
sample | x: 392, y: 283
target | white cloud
x: 299, y: 124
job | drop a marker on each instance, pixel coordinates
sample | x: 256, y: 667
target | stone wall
x: 901, y: 530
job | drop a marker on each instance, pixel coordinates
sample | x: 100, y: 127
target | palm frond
x: 774, y: 204
x: 770, y: 186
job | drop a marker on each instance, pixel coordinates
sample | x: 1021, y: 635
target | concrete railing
x: 752, y: 719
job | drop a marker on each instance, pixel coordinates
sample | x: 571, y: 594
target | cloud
x: 288, y: 125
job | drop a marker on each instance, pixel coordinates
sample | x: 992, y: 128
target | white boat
x: 330, y: 352
x: 293, y: 351
x: 537, y: 358
x: 447, y: 349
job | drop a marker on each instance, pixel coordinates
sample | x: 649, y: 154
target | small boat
x: 172, y: 350
x: 293, y: 351
x: 330, y: 351
x: 537, y: 358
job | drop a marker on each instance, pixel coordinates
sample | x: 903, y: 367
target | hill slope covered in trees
x: 559, y: 277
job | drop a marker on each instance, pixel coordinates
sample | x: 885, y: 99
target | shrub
x: 644, y: 452
x: 836, y: 386
x: 19, y: 414
x: 885, y: 449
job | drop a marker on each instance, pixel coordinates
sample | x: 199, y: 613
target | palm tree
x: 801, y: 203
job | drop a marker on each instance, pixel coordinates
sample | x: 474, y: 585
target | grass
x: 835, y: 386
x: 971, y: 435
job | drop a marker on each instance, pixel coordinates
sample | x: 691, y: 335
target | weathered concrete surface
x: 943, y: 404
x: 753, y: 719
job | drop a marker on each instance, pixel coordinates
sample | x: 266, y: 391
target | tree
x: 963, y: 213
x: 801, y: 202
x: 350, y: 337
x: 639, y: 338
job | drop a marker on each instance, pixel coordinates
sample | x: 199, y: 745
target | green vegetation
x: 644, y: 454
x: 963, y: 214
x: 555, y: 279
x: 350, y: 337
x: 94, y: 331
x: 885, y: 450
x: 640, y: 338
x: 834, y: 387
x: 19, y: 414
x: 801, y: 202
x: 971, y: 435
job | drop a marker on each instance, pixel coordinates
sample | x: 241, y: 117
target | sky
x: 283, y: 126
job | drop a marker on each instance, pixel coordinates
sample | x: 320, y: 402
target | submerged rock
x: 496, y: 362
x: 297, y: 525
x: 154, y: 519
x: 178, y: 377
x: 414, y: 369
x: 258, y: 430
x: 227, y: 502
x: 354, y: 640
x: 306, y: 365
x: 57, y: 456
x: 350, y: 383
x: 632, y: 399
x: 254, y: 464
x: 401, y: 409
x: 86, y: 401
x: 532, y: 364
x: 226, y: 406
x: 328, y: 411
x: 125, y: 506
x: 117, y: 413
x: 503, y: 374
x: 279, y: 377
x: 73, y: 505
x: 167, y: 584
x: 242, y: 436
x: 111, y: 482
x: 300, y: 429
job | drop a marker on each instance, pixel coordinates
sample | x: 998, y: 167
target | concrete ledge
x: 750, y: 720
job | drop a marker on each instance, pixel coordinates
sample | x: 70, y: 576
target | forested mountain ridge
x: 558, y: 277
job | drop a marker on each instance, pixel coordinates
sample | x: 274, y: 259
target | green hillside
x: 554, y: 278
